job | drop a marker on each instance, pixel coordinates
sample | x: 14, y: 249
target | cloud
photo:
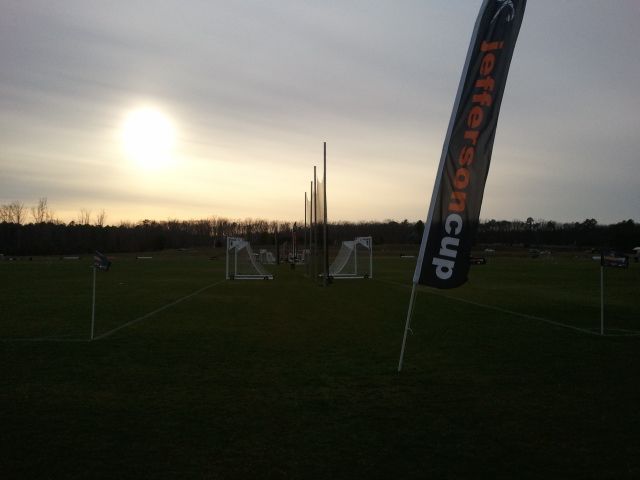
x: 255, y: 87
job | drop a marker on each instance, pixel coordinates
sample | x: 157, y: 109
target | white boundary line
x: 518, y: 314
x: 157, y: 310
x: 114, y: 330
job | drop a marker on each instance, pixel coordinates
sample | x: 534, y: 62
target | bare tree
x: 4, y: 213
x: 100, y: 218
x: 41, y: 212
x: 12, y: 212
x: 84, y: 217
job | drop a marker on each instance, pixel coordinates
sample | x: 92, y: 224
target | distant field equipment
x: 354, y: 260
x: 266, y: 257
x: 241, y: 262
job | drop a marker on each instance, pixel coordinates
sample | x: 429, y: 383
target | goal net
x: 242, y: 263
x: 354, y: 260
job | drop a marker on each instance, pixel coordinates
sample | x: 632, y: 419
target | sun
x: 148, y: 138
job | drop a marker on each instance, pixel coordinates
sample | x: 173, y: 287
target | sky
x: 251, y: 89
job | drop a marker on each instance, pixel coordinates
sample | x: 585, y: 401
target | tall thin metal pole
x: 293, y: 242
x: 305, y: 220
x: 227, y: 262
x: 407, y: 326
x: 315, y: 225
x: 324, y: 240
x: 93, y: 304
x: 601, y: 300
x: 277, y: 246
x: 311, y: 203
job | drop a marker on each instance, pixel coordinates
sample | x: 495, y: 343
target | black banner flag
x: 454, y: 211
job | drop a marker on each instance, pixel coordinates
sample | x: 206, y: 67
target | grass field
x: 503, y: 378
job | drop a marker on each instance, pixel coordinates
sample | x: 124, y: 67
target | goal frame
x: 366, y: 242
x: 236, y: 244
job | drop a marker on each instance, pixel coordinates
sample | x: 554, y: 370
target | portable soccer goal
x: 266, y: 257
x: 354, y: 260
x: 242, y: 263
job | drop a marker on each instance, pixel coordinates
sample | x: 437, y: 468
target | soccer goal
x: 266, y: 257
x: 242, y: 263
x: 354, y: 260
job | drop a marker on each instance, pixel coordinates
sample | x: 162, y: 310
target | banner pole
x: 407, y: 326
x: 93, y: 303
x: 601, y: 299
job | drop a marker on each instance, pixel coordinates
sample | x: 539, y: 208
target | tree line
x: 623, y: 235
x: 37, y: 231
x: 57, y: 238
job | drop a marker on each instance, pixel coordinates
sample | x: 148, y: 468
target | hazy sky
x: 253, y: 88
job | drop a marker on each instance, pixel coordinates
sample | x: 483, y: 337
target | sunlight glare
x: 148, y: 137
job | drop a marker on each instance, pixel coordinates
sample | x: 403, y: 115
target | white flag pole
x: 93, y: 303
x: 407, y: 327
x: 602, y: 299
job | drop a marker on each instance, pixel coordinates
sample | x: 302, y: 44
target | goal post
x: 241, y: 262
x: 354, y: 259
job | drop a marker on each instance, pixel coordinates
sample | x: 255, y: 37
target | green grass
x: 285, y: 379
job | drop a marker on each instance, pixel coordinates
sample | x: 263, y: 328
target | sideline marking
x: 518, y: 314
x: 147, y: 315
x: 114, y: 330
